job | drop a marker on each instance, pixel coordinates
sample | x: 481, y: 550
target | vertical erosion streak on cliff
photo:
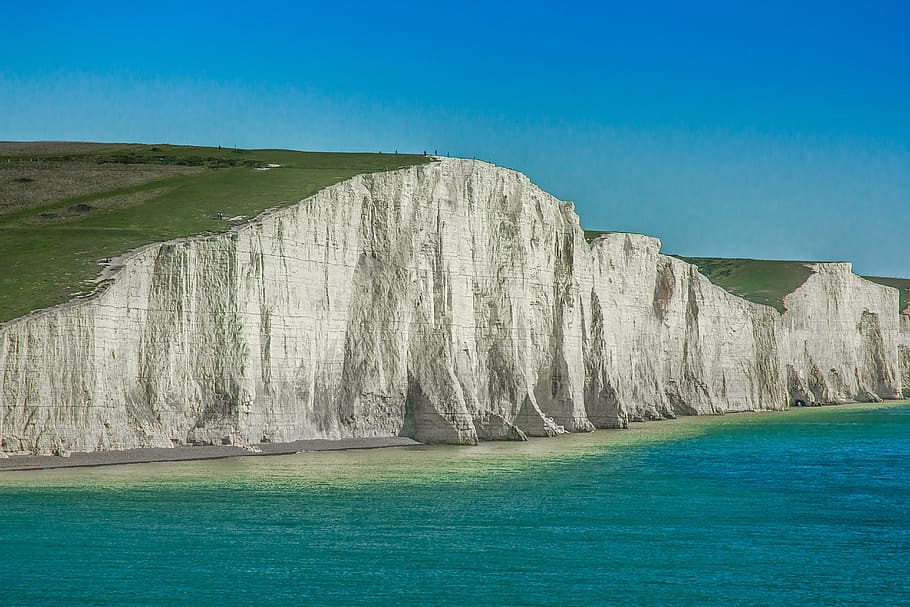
x: 601, y: 400
x: 450, y: 302
x: 438, y: 406
x: 621, y: 274
x: 220, y: 353
x: 297, y: 295
x: 874, y: 376
x: 159, y: 383
x: 501, y: 385
x: 190, y: 383
x: 560, y: 383
x: 372, y: 388
x: 770, y: 382
x: 904, y: 355
x: 694, y: 388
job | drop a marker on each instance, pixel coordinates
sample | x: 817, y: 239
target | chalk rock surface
x: 903, y: 350
x: 841, y: 334
x: 448, y: 302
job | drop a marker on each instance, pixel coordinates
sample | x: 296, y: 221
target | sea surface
x: 806, y: 507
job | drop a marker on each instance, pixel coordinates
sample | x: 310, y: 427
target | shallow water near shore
x: 805, y: 507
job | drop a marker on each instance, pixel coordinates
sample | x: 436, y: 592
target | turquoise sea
x: 806, y: 507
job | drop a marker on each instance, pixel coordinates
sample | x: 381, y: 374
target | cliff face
x: 903, y: 353
x: 841, y: 338
x: 450, y: 302
x: 664, y: 341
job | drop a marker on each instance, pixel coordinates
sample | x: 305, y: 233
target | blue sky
x: 771, y: 130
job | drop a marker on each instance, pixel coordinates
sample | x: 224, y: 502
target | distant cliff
x: 450, y: 302
x: 903, y: 351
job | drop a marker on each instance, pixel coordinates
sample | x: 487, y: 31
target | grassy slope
x: 50, y: 248
x: 758, y: 281
x: 901, y: 284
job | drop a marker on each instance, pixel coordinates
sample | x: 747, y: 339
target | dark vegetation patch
x: 210, y: 162
x: 37, y: 183
x: 37, y: 149
x: 592, y: 235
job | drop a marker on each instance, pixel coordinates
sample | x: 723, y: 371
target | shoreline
x: 148, y: 455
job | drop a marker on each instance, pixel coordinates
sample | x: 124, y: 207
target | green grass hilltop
x: 65, y: 207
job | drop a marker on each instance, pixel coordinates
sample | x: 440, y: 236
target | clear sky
x: 773, y: 129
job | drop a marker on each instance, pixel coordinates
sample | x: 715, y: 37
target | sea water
x: 806, y: 507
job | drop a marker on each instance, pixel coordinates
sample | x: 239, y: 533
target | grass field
x: 66, y: 206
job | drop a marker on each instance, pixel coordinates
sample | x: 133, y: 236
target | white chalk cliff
x: 451, y: 302
x: 903, y: 352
